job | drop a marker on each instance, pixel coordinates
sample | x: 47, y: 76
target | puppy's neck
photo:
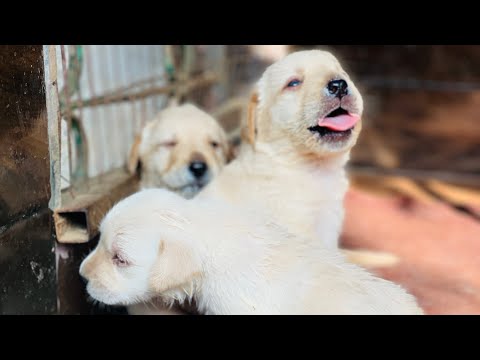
x: 283, y: 153
x: 313, y: 187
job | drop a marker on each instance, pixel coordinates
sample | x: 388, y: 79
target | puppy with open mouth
x: 156, y: 244
x: 304, y: 117
x: 337, y: 125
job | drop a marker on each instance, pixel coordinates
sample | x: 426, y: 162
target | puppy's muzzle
x: 338, y: 88
x: 198, y: 168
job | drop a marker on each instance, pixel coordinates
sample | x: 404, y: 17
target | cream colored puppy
x: 157, y: 244
x: 304, y: 118
x: 181, y: 149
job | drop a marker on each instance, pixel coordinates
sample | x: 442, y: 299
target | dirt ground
x: 437, y: 244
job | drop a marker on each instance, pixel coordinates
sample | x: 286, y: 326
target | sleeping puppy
x: 230, y: 261
x: 181, y: 149
x: 304, y: 118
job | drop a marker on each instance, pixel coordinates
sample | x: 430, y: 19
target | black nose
x: 338, y: 88
x: 198, y: 168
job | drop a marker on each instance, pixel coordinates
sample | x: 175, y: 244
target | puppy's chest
x: 304, y: 201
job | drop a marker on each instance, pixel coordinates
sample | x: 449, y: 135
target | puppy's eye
x: 119, y: 260
x: 169, y: 144
x: 214, y: 144
x: 294, y: 83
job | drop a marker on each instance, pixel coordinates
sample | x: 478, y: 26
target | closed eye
x: 119, y: 260
x: 169, y: 144
x: 214, y: 144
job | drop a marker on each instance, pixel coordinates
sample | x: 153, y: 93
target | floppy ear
x: 134, y: 156
x: 143, y: 137
x: 249, y: 132
x: 176, y: 265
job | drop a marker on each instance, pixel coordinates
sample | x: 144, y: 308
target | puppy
x: 304, y: 118
x: 181, y: 149
x: 230, y: 261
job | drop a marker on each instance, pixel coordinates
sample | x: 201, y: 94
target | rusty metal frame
x: 54, y: 117
x: 78, y: 219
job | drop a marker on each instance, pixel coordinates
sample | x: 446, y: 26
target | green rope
x: 74, y: 71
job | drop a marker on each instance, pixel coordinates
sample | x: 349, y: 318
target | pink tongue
x: 340, y: 122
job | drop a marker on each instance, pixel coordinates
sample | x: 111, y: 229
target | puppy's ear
x: 134, y: 156
x: 176, y: 265
x: 249, y: 131
x: 141, y: 140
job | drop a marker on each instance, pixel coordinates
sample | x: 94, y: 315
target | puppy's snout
x: 338, y: 88
x: 198, y: 168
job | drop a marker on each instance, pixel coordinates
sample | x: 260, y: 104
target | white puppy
x: 155, y: 243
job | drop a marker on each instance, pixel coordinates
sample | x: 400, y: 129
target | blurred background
x: 71, y: 114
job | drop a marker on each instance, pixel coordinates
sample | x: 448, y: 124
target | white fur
x: 245, y: 264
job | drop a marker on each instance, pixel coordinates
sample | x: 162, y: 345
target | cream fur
x: 178, y: 135
x: 295, y: 176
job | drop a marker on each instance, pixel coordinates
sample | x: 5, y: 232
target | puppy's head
x: 308, y: 99
x: 182, y: 149
x: 143, y: 251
